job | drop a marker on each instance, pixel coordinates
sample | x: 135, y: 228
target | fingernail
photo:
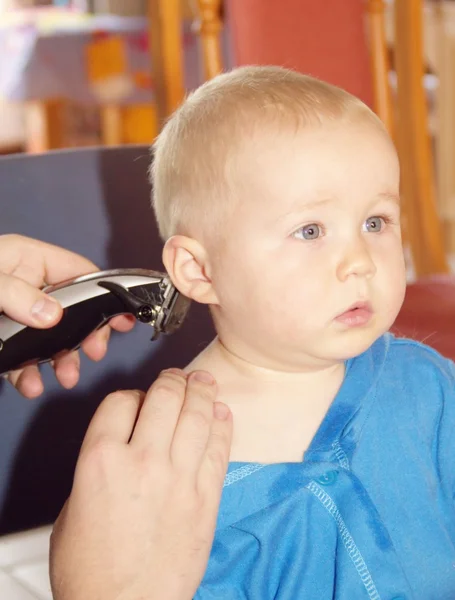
x: 45, y: 310
x: 204, y: 377
x: 221, y: 411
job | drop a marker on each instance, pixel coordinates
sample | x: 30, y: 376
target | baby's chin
x: 352, y: 343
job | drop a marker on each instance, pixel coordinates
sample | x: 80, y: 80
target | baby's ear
x: 187, y: 264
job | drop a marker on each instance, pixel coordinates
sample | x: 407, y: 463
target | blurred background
x: 77, y: 73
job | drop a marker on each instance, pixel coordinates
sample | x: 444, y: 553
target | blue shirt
x: 369, y: 513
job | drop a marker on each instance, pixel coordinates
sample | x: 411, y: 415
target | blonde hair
x: 193, y: 160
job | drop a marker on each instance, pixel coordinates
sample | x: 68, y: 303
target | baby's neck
x: 229, y: 368
x: 276, y: 412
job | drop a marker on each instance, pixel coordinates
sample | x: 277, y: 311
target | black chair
x: 95, y: 202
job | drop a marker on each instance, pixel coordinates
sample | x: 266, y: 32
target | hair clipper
x: 89, y: 302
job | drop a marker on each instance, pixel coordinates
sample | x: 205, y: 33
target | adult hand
x: 25, y: 266
x: 140, y: 520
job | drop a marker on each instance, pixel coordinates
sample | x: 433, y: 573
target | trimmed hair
x: 194, y: 155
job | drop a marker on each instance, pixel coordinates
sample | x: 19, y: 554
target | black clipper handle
x: 89, y: 302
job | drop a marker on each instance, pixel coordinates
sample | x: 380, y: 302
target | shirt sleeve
x: 444, y: 441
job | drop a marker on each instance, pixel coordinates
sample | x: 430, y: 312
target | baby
x: 277, y: 196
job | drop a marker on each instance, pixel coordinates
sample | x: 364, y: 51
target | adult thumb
x: 24, y: 303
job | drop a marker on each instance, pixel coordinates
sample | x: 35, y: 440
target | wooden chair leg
x: 44, y: 125
x: 423, y: 224
x: 111, y: 125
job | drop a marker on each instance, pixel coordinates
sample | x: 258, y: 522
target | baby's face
x: 315, y: 234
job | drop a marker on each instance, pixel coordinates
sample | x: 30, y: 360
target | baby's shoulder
x: 412, y: 379
x: 412, y: 388
x: 407, y: 357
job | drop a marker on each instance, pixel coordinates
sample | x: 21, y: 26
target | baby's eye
x: 374, y: 224
x: 309, y: 232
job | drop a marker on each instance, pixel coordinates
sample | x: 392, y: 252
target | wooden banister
x: 423, y: 223
x: 209, y: 26
x: 165, y: 26
x: 380, y: 67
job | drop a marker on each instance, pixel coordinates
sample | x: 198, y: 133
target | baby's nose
x: 357, y: 261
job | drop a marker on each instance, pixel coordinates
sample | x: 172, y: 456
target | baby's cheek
x: 397, y: 294
x: 295, y: 317
x: 396, y: 278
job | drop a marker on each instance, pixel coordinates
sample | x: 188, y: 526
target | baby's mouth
x: 356, y: 315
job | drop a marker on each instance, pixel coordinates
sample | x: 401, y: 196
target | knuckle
x: 69, y: 358
x: 15, y: 287
x: 158, y: 413
x: 121, y: 402
x: 154, y: 464
x: 220, y: 438
x: 193, y: 502
x: 218, y: 460
x: 116, y: 396
x: 100, y: 447
x: 174, y: 377
x: 204, y: 392
x: 167, y: 392
x: 122, y: 397
x: 99, y: 454
x: 14, y: 238
x: 173, y: 372
x: 197, y: 419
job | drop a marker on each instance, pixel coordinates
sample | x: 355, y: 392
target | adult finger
x: 95, y: 345
x: 39, y: 262
x: 67, y: 368
x: 193, y: 430
x: 123, y: 323
x: 24, y: 303
x: 216, y: 458
x: 160, y: 412
x: 114, y: 418
x: 27, y: 381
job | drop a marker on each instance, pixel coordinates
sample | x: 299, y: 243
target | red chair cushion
x: 428, y: 314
